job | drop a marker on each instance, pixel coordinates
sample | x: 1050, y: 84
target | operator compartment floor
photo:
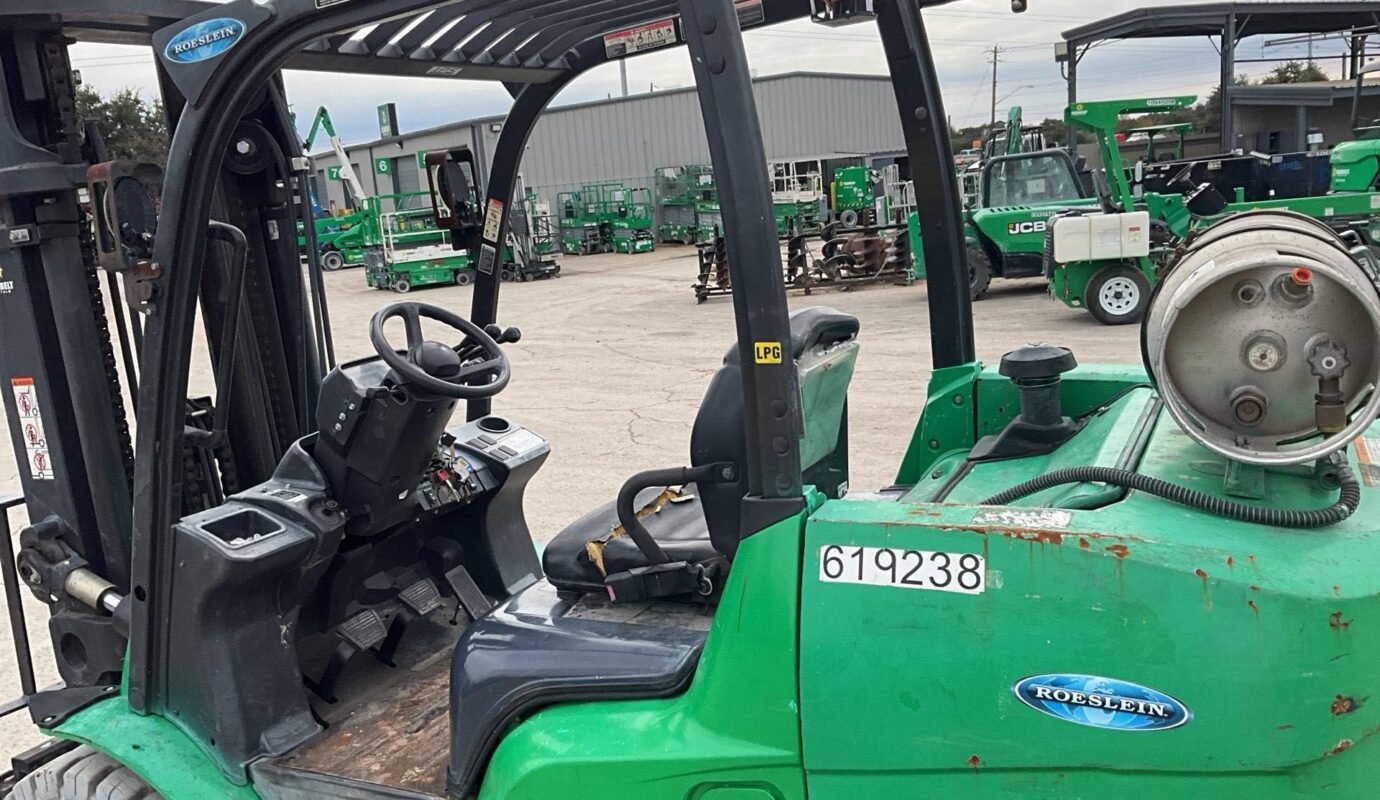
x: 391, y: 724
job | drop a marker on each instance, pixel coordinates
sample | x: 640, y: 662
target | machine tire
x: 507, y: 276
x: 979, y: 273
x: 1117, y: 295
x: 83, y: 774
x: 332, y: 260
x: 401, y: 286
x: 464, y: 278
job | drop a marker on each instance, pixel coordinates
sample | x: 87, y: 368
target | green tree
x: 1295, y: 72
x: 133, y: 128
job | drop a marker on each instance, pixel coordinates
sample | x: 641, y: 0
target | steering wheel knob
x: 436, y: 360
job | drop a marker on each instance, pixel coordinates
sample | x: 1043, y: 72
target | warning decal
x: 1368, y: 453
x: 749, y: 13
x: 487, y: 257
x: 31, y: 428
x: 493, y: 221
x: 636, y: 40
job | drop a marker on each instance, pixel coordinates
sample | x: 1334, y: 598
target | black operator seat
x: 698, y: 523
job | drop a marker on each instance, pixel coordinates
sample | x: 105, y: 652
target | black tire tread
x: 83, y: 774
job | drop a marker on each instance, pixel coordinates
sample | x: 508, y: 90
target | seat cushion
x: 675, y: 518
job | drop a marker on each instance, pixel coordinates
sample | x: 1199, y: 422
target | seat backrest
x: 719, y: 432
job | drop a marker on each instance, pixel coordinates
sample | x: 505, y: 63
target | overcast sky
x: 963, y: 35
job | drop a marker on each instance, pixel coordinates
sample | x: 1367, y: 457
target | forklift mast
x: 1101, y: 118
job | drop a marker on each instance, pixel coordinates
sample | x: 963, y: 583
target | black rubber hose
x: 1345, y: 506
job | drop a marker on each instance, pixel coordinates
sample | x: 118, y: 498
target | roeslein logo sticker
x: 205, y: 40
x: 1102, y: 702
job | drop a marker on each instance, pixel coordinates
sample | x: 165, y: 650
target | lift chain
x: 61, y: 87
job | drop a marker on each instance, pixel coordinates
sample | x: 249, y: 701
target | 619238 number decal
x: 964, y: 573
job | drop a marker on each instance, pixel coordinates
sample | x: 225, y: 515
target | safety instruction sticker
x: 749, y: 13
x: 1368, y: 453
x: 493, y: 221
x: 766, y: 352
x: 31, y: 428
x: 487, y: 256
x: 639, y: 39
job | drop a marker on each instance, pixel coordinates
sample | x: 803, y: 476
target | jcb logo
x: 1034, y: 226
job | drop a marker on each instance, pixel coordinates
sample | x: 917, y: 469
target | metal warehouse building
x: 805, y: 116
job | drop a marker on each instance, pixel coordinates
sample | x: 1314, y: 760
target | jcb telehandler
x: 1085, y: 582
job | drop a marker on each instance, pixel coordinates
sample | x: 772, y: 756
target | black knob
x: 1037, y: 362
x: 436, y: 360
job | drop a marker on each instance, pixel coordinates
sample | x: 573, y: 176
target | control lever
x: 502, y: 336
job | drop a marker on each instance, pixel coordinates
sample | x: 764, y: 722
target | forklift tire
x: 1117, y: 295
x: 463, y: 278
x: 83, y: 774
x: 332, y: 260
x: 507, y: 276
x: 979, y: 273
x: 402, y: 286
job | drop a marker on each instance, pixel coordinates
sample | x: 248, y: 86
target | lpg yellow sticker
x: 767, y: 352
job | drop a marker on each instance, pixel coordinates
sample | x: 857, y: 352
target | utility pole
x: 623, y: 74
x: 996, y: 59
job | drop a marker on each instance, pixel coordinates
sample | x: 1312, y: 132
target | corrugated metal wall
x: 804, y: 115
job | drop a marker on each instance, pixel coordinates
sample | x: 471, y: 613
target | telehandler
x: 1121, y: 581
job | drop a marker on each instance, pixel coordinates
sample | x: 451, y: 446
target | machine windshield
x: 1038, y: 178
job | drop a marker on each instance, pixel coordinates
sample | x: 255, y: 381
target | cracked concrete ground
x: 615, y: 358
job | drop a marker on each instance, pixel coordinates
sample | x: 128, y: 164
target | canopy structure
x: 495, y: 40
x: 1229, y: 23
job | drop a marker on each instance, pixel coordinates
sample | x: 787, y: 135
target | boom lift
x: 1063, y: 550
x: 322, y: 122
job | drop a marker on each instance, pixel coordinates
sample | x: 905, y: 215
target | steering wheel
x: 435, y: 367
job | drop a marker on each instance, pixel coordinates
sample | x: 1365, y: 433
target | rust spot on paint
x: 1043, y: 537
x: 974, y: 761
x: 1342, y: 746
x: 1254, y: 588
x: 1285, y: 727
x: 1231, y: 562
x: 1120, y: 550
x: 1344, y: 705
x: 1336, y: 591
x: 1251, y: 559
x: 1336, y: 623
x: 1083, y: 543
x: 1253, y: 606
x: 1200, y: 573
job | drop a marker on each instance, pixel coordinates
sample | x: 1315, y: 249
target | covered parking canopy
x: 1228, y: 23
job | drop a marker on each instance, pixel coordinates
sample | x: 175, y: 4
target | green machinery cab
x: 1018, y: 195
x: 1084, y: 581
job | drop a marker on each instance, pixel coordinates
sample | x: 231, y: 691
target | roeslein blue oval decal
x: 1102, y: 702
x: 205, y: 40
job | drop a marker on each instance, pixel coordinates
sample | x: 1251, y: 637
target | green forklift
x: 320, y: 584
